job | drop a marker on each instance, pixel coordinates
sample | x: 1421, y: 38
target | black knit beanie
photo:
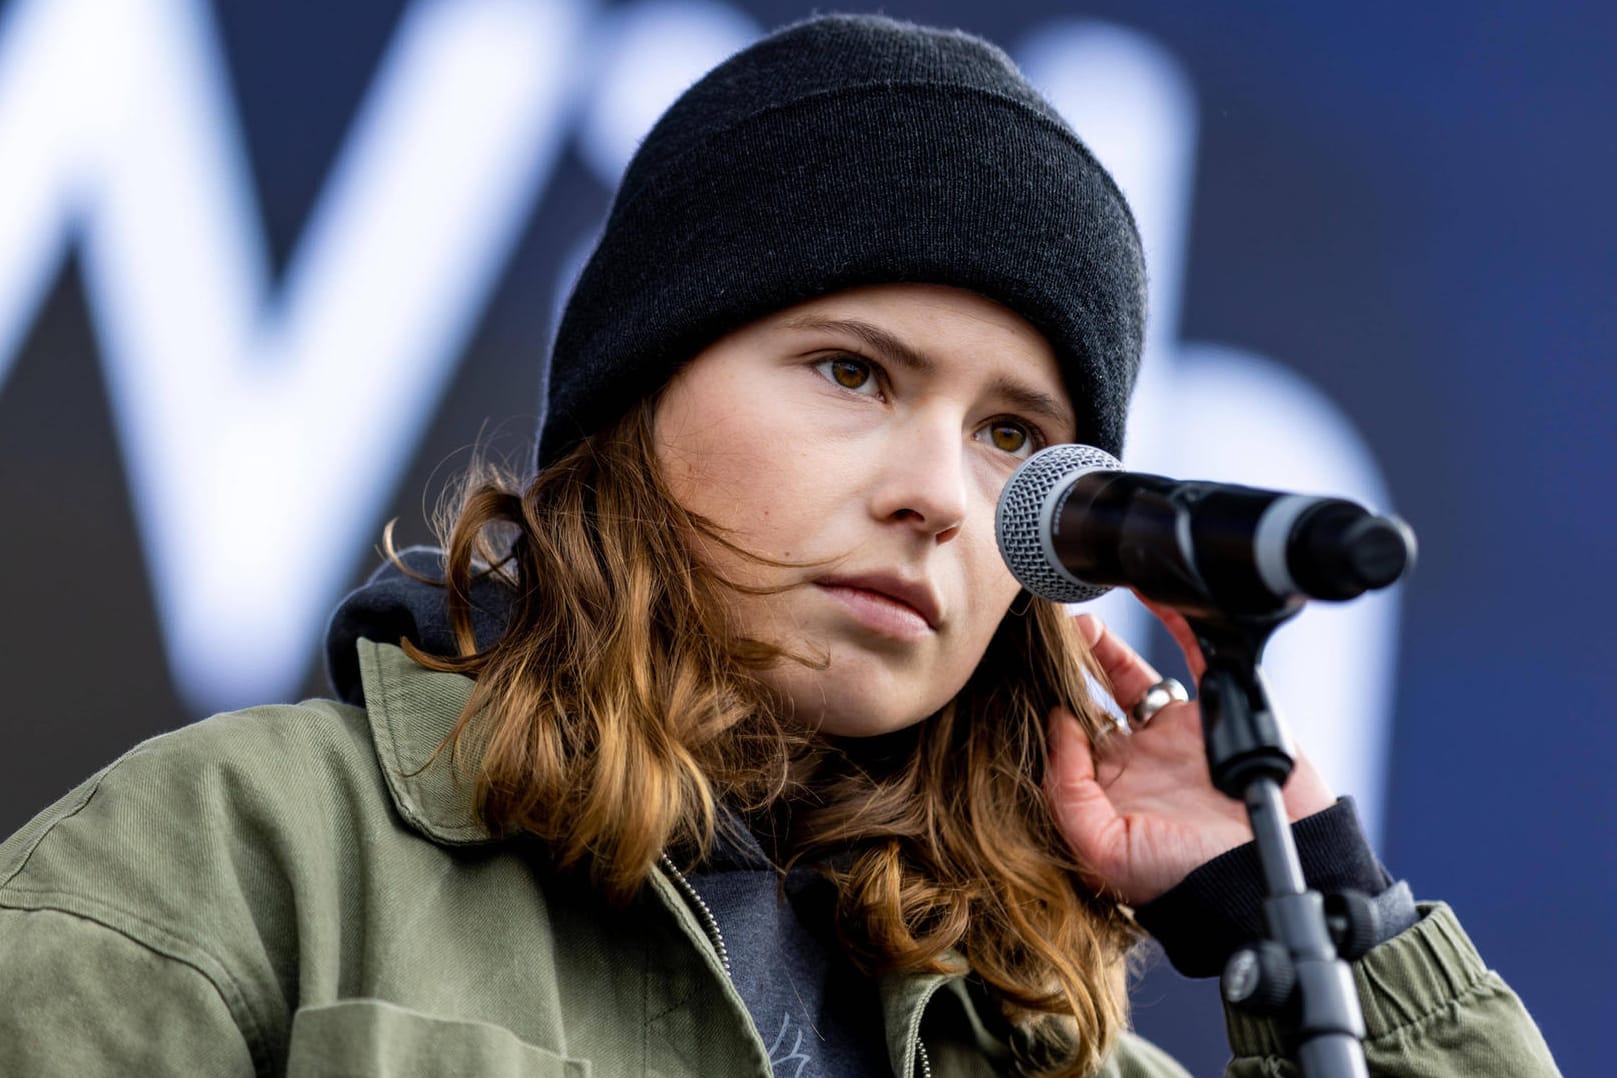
x: 846, y: 151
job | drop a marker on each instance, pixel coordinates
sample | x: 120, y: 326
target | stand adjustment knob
x: 1259, y: 979
x: 1354, y: 923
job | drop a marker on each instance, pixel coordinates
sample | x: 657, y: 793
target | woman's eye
x: 849, y: 373
x: 1011, y: 436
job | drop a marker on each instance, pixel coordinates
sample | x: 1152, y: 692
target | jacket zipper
x: 923, y: 1061
x: 709, y: 923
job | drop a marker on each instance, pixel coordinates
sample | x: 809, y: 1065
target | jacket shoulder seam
x: 84, y: 794
x: 162, y: 942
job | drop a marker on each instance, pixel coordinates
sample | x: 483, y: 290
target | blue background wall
x: 1410, y: 203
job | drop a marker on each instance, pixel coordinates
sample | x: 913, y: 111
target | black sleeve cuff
x: 1219, y: 906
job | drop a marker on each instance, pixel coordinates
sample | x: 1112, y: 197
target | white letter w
x: 264, y: 431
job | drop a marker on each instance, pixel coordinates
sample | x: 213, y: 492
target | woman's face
x: 867, y: 432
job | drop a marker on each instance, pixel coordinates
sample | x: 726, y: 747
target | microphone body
x: 1071, y: 524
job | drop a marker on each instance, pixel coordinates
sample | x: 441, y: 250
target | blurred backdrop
x: 268, y: 271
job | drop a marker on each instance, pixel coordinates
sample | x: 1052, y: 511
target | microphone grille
x: 1022, y: 519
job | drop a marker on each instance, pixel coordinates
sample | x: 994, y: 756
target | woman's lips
x: 881, y: 614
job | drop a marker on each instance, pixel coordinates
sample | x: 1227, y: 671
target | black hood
x: 393, y: 606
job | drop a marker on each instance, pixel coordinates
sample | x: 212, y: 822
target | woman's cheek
x: 762, y: 488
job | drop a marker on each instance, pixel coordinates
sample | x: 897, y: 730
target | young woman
x: 724, y: 744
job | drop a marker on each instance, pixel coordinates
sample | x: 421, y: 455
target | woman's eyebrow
x: 1034, y: 402
x: 1019, y: 395
x: 890, y: 347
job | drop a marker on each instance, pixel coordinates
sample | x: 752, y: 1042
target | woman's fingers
x: 1129, y: 674
x: 1081, y: 807
x: 1182, y: 635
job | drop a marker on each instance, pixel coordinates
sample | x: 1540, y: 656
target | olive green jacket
x: 287, y: 890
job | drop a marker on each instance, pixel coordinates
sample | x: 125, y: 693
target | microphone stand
x: 1296, y: 975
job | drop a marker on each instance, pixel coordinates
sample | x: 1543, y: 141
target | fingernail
x: 1091, y: 627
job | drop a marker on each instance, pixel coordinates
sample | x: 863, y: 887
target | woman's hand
x: 1141, y: 811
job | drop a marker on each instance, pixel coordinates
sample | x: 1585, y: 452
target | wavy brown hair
x: 620, y: 709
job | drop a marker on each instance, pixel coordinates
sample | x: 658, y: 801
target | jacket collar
x: 411, y: 711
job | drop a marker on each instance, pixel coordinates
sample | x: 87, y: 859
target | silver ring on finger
x: 1165, y: 692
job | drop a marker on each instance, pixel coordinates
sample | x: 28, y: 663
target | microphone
x: 1071, y: 524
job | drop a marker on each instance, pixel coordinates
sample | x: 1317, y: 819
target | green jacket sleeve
x: 83, y: 1000
x: 1431, y: 1009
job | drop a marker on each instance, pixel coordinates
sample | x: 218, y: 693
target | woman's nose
x: 922, y: 480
